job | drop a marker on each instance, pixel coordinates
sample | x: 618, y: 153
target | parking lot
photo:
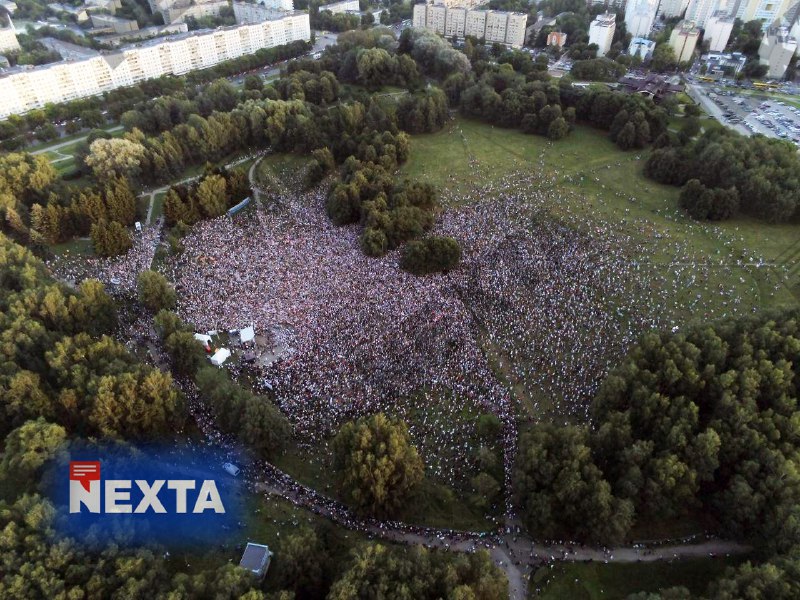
x: 750, y: 114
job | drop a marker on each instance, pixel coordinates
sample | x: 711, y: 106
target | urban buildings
x: 601, y: 32
x: 641, y: 47
x: 767, y: 11
x: 717, y: 31
x: 493, y: 26
x: 26, y: 89
x: 640, y: 16
x: 115, y: 24
x: 556, y: 38
x: 723, y: 65
x: 249, y: 12
x: 776, y: 50
x: 460, y: 3
x: 344, y: 6
x: 699, y: 11
x: 8, y: 38
x: 651, y: 85
x: 177, y: 11
x: 671, y: 8
x: 683, y: 40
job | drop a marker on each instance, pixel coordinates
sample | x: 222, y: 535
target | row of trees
x: 16, y: 130
x: 208, y: 197
x: 763, y: 173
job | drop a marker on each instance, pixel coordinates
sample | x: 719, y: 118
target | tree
x: 558, y: 129
x: 562, y: 492
x: 110, y: 239
x: 664, y: 58
x: 431, y: 255
x: 28, y: 447
x: 303, y: 564
x: 212, y: 196
x: 155, y: 292
x: 116, y: 157
x: 377, y: 467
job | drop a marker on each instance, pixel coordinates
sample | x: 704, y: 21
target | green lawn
x: 73, y: 247
x: 601, y: 581
x: 158, y: 206
x: 598, y: 185
x: 81, y: 135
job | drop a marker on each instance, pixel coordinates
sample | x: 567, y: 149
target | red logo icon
x: 84, y: 472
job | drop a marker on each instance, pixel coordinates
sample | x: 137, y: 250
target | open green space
x: 276, y: 172
x: 596, y: 185
x: 79, y: 246
x: 595, y: 581
x: 77, y: 137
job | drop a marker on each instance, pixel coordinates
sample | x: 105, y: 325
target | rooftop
x: 256, y: 558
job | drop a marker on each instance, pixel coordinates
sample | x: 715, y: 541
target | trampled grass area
x: 601, y: 581
x: 599, y: 185
x: 74, y: 247
x: 277, y: 172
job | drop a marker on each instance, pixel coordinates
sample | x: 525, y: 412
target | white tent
x: 248, y: 334
x: 220, y: 356
x: 202, y: 338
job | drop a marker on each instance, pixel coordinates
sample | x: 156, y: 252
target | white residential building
x: 671, y: 8
x: 344, y: 6
x: 718, y: 31
x: 767, y: 11
x: 27, y: 89
x: 492, y: 26
x: 640, y: 16
x: 177, y: 11
x: 601, y: 32
x: 460, y: 3
x: 250, y: 12
x: 8, y: 37
x: 776, y: 50
x: 683, y: 40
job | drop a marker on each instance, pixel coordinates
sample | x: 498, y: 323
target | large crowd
x: 544, y: 304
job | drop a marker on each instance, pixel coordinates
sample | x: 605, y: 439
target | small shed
x: 220, y: 356
x: 202, y: 338
x: 256, y: 559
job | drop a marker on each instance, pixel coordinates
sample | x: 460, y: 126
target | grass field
x: 596, y: 184
x: 601, y: 581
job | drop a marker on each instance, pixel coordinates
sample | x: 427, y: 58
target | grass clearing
x: 596, y: 581
x: 599, y: 184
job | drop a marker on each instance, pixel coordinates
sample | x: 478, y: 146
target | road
x: 60, y: 145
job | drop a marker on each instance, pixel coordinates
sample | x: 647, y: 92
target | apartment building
x: 8, y: 38
x: 717, y: 31
x: 344, y: 6
x: 468, y: 4
x: 671, y: 8
x: 640, y: 16
x: 265, y: 10
x: 177, y: 11
x: 27, y: 89
x: 601, y: 32
x: 493, y: 26
x: 776, y: 50
x: 684, y: 40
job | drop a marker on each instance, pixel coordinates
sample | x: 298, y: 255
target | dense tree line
x: 730, y: 174
x: 60, y: 364
x: 208, y: 197
x: 430, y: 255
x: 597, y: 69
x: 702, y: 419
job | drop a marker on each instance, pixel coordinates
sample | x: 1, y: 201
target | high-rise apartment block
x: 256, y: 12
x: 640, y: 16
x: 684, y: 40
x: 776, y: 50
x: 26, y: 89
x: 177, y: 11
x: 493, y: 26
x: 717, y: 31
x: 601, y: 32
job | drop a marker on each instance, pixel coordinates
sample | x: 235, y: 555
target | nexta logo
x: 86, y: 488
